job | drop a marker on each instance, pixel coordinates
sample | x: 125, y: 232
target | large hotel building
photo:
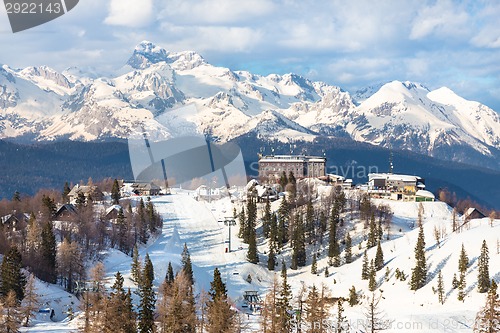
x: 272, y: 167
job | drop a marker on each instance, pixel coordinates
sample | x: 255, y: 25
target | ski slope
x: 196, y: 224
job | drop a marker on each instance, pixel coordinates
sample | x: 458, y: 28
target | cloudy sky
x: 351, y: 44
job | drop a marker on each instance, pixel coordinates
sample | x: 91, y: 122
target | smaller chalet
x: 146, y: 189
x: 65, y: 212
x: 14, y: 219
x: 87, y: 191
x: 112, y: 212
x: 473, y: 213
x: 265, y: 192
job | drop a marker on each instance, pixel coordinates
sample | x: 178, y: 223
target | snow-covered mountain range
x: 41, y: 104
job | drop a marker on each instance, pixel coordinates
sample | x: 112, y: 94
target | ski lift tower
x: 229, y: 221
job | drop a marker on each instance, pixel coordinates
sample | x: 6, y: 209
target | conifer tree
x: 187, y: 266
x: 323, y: 225
x: 271, y: 259
x: 115, y: 192
x: 365, y: 269
x: 65, y: 192
x: 147, y: 298
x: 243, y: 223
x: 273, y: 232
x: 251, y: 219
x: 298, y: 244
x: 379, y: 257
x: 342, y: 323
x: 327, y: 273
x: 372, y: 233
x: 488, y: 318
x: 12, y: 278
x: 353, y: 296
x: 136, y: 266
x: 252, y: 255
x: 348, y: 249
x: 31, y: 302
x: 122, y: 231
x: 119, y: 315
x: 283, y: 218
x: 48, y: 267
x: 463, y: 261
x: 375, y: 321
x: 220, y: 316
x: 440, y: 288
x: 483, y: 277
x: 314, y: 265
x: 372, y: 282
x: 454, y: 282
x: 333, y: 245
x: 309, y: 222
x: 419, y: 272
x: 284, y: 301
x: 267, y: 219
x: 283, y: 180
x: 461, y: 287
x: 169, y: 278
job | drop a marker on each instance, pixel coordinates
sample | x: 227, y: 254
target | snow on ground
x: 196, y: 223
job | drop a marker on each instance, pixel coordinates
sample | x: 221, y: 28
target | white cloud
x: 215, y: 12
x: 444, y: 18
x: 130, y: 13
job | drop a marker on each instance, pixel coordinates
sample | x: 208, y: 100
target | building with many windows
x: 272, y: 167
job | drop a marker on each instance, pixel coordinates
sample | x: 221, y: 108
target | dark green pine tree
x: 314, y: 265
x: 252, y: 254
x: 251, y: 219
x: 267, y: 219
x: 283, y: 217
x: 243, y: 223
x: 48, y: 254
x: 273, y: 233
x: 463, y: 261
x: 333, y: 245
x: 419, y: 272
x: 348, y: 249
x: 284, y: 301
x: 217, y: 287
x: 298, y: 244
x: 283, y: 180
x: 122, y: 231
x: 440, y: 288
x: 353, y: 296
x: 147, y: 298
x: 372, y: 233
x: 483, y: 277
x: 65, y: 192
x: 271, y: 259
x: 16, y: 196
x: 365, y: 268
x: 309, y: 223
x: 115, y: 192
x: 12, y: 278
x: 372, y: 282
x: 49, y: 207
x: 143, y: 226
x: 119, y: 316
x: 169, y: 277
x: 220, y: 317
x: 187, y: 266
x: 379, y: 257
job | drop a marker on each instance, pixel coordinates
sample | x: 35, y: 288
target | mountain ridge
x: 40, y: 103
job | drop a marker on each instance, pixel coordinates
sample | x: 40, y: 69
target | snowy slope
x: 196, y: 224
